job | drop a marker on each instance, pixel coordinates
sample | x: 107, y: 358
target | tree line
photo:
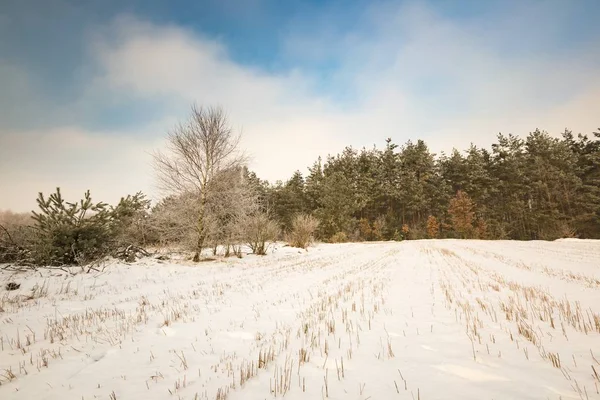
x: 539, y: 187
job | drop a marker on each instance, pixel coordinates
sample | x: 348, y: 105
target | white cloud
x: 284, y: 126
x: 415, y: 75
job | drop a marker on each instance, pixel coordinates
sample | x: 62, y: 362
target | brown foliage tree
x: 462, y: 214
x: 405, y: 231
x: 481, y: 229
x: 365, y: 229
x: 433, y: 227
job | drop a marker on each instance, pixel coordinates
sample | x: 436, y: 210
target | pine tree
x: 512, y: 195
x: 288, y: 200
x: 71, y: 233
x: 313, y: 185
x: 338, y: 206
x: 539, y: 187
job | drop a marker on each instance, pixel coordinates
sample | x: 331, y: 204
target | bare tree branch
x: 202, y: 157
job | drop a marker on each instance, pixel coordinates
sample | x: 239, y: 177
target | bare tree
x: 230, y: 203
x: 171, y: 223
x: 199, y: 151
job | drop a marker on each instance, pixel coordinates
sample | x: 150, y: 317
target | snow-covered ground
x: 413, y: 320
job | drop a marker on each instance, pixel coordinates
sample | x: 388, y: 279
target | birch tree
x: 199, y: 152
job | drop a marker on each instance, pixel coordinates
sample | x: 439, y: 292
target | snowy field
x: 413, y: 320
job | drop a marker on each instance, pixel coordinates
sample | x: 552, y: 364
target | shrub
x: 339, y: 237
x: 418, y: 232
x: 303, y: 229
x: 259, y: 230
x: 16, y: 236
x: 82, y: 232
x: 354, y: 236
x: 558, y: 230
x: 567, y: 231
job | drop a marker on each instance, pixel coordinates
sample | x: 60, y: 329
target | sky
x: 89, y: 89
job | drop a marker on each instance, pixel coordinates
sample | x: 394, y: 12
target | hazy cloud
x: 405, y: 72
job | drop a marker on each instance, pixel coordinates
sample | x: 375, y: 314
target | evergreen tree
x: 338, y: 206
x: 71, y: 233
x: 288, y: 200
x: 313, y: 186
x: 539, y: 187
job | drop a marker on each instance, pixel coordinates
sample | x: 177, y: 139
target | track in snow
x: 425, y: 319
